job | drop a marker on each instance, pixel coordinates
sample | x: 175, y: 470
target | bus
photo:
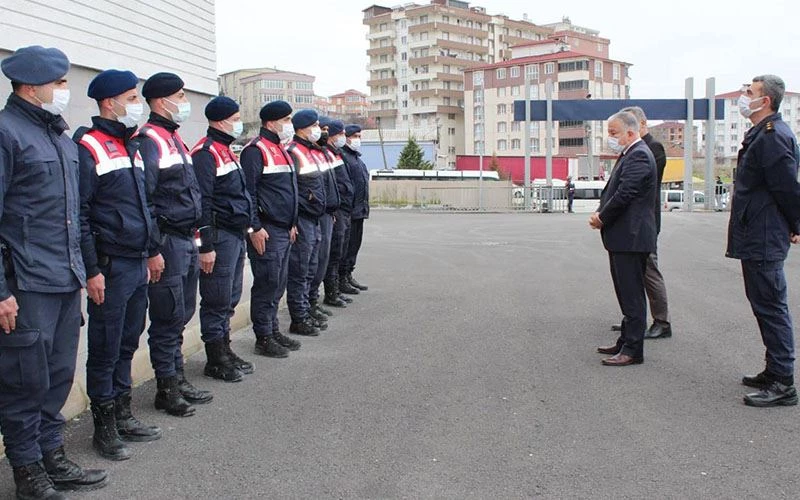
x: 403, y: 174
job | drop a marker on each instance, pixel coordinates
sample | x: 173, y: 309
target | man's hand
x: 8, y: 314
x: 595, y: 222
x: 259, y: 240
x: 155, y: 266
x: 207, y: 261
x: 96, y: 288
x: 794, y: 238
x: 293, y: 234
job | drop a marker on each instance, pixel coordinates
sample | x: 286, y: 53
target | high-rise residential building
x: 732, y: 126
x: 348, y: 105
x: 576, y: 61
x: 252, y: 88
x: 417, y: 57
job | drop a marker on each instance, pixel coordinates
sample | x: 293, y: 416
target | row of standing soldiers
x: 137, y: 218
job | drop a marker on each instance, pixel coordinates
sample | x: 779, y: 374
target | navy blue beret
x: 275, y: 110
x: 221, y: 108
x: 161, y: 85
x: 336, y: 127
x: 35, y: 65
x: 351, y: 129
x: 304, y: 118
x: 111, y: 83
x: 324, y: 121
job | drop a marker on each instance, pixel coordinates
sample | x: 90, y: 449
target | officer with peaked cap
x: 40, y: 312
x: 224, y: 223
x: 272, y: 184
x: 174, y: 272
x: 115, y: 232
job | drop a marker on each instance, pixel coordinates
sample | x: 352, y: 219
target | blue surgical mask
x: 238, y: 128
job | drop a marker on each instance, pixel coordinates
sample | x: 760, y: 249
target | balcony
x: 449, y: 28
x: 436, y: 93
x: 466, y: 47
x: 419, y: 28
x: 380, y: 34
x: 419, y: 61
x: 380, y: 65
x: 381, y: 51
x: 382, y: 113
x: 380, y: 82
x: 450, y: 77
x: 450, y: 109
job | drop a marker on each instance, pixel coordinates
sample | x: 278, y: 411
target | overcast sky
x: 666, y: 41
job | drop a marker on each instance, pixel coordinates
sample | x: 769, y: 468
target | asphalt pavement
x: 468, y: 370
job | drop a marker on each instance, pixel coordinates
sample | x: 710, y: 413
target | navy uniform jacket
x: 172, y: 190
x: 344, y: 184
x: 272, y: 184
x: 39, y: 200
x: 310, y: 179
x: 226, y: 202
x: 359, y: 174
x: 335, y: 163
x: 115, y: 220
x: 626, y: 205
x: 661, y: 162
x: 766, y: 198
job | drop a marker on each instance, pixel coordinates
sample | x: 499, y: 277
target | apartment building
x: 348, y: 105
x: 252, y: 88
x: 576, y: 61
x: 670, y: 135
x: 417, y: 58
x: 731, y: 128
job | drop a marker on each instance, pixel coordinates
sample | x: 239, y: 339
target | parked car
x: 672, y: 199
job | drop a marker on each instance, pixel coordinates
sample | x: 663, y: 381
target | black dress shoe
x: 616, y: 327
x: 609, y: 349
x: 622, y: 360
x: 776, y: 394
x: 658, y: 331
x: 760, y: 381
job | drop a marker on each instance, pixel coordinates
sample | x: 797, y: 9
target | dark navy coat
x: 310, y: 178
x: 359, y: 174
x: 39, y: 199
x: 766, y: 200
x: 335, y: 162
x: 115, y: 220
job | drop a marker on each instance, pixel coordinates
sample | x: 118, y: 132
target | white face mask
x: 183, y: 113
x: 60, y: 102
x: 340, y: 141
x: 238, y: 128
x: 355, y: 144
x: 287, y: 132
x: 744, y: 105
x: 315, y: 134
x: 133, y: 113
x: 614, y: 145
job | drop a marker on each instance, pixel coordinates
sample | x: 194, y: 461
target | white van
x: 672, y: 199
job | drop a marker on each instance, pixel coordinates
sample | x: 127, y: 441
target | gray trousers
x: 656, y: 290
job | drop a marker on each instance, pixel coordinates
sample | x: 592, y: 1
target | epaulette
x: 769, y: 127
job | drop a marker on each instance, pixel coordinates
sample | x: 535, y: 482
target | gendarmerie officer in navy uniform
x: 223, y: 226
x: 272, y: 184
x: 765, y: 218
x: 308, y: 159
x: 40, y: 290
x: 115, y: 233
x: 359, y: 174
x: 175, y: 205
x: 319, y: 266
x: 344, y: 186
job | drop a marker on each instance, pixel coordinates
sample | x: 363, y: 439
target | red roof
x: 555, y: 56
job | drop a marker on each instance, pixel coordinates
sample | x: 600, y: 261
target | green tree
x: 411, y: 156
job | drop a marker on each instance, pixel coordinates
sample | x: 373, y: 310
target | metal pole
x: 380, y: 138
x: 548, y: 88
x: 527, y: 137
x: 688, y: 147
x: 589, y: 151
x: 483, y: 140
x: 710, y: 144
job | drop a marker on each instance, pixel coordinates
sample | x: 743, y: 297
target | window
x: 599, y: 47
x: 405, y: 104
x: 271, y: 84
x: 571, y: 142
x: 501, y: 73
x: 451, y: 131
x: 478, y: 145
x: 445, y: 69
x: 501, y: 109
x: 304, y: 99
x: 549, y: 68
x: 515, y: 72
x: 383, y: 27
x: 515, y: 90
x: 423, y: 35
x: 477, y: 78
x: 501, y: 127
x: 573, y: 85
x: 384, y: 58
x: 404, y: 56
x: 598, y: 69
x: 615, y: 91
x: 404, y: 88
x: 451, y: 116
x: 615, y: 71
x: 532, y: 72
x: 535, y: 144
x: 515, y: 127
x: 574, y: 66
x: 501, y: 145
x: 534, y: 91
x: 384, y: 90
x: 403, y: 40
x: 425, y: 101
x: 478, y: 130
x: 478, y: 97
x: 451, y: 150
x: 423, y: 19
x: 515, y: 143
x: 570, y: 123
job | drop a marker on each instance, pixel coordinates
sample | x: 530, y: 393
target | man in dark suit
x: 653, y: 279
x: 627, y: 224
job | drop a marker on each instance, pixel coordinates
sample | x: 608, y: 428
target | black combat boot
x: 191, y: 393
x: 219, y: 365
x: 315, y: 313
x: 170, y: 399
x: 67, y: 475
x: 33, y: 483
x: 305, y: 327
x: 285, y: 341
x: 355, y: 283
x: 268, y: 346
x: 324, y: 310
x: 243, y: 366
x: 321, y: 325
x: 106, y: 440
x: 344, y: 298
x: 346, y: 287
x: 332, y: 293
x: 128, y: 427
